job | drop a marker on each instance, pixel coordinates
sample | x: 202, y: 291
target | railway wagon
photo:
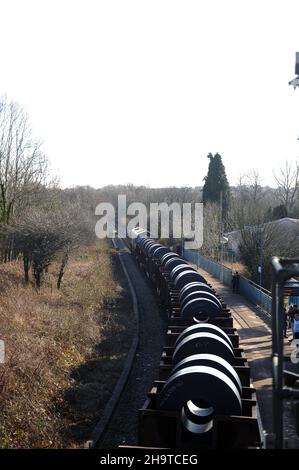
x: 203, y: 396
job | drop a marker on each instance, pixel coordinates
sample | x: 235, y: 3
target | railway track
x: 123, y: 426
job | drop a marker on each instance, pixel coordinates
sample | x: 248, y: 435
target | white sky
x: 141, y: 91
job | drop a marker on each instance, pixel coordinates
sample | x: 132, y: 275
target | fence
x: 248, y: 289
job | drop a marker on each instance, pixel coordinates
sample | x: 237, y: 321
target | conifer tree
x: 216, y: 187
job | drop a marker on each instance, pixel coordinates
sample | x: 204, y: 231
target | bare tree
x: 23, y: 166
x: 249, y: 204
x: 287, y: 184
x: 44, y: 236
x: 258, y: 245
x: 211, y: 230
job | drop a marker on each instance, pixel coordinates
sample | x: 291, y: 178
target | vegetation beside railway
x: 65, y: 349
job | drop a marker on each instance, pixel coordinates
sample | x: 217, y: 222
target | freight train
x: 203, y: 397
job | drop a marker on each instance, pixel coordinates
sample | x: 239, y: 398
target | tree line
x: 226, y: 208
x: 248, y: 207
x: 39, y: 223
x: 251, y: 209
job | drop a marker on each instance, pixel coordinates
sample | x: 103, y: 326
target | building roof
x: 283, y: 221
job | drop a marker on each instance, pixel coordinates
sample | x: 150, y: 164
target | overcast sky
x: 141, y: 91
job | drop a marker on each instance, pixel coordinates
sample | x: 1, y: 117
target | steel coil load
x: 167, y: 256
x: 203, y: 342
x: 178, y: 269
x: 210, y: 360
x: 147, y: 251
x: 203, y: 327
x: 196, y: 401
x: 201, y: 309
x: 152, y: 249
x: 143, y: 240
x: 172, y: 262
x: 160, y: 251
x: 197, y: 385
x: 186, y: 277
x: 145, y: 243
x: 193, y: 286
x: 197, y: 417
x: 200, y: 294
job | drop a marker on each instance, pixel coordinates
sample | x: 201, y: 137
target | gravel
x: 123, y: 427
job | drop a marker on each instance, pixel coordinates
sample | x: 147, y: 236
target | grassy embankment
x: 64, y: 349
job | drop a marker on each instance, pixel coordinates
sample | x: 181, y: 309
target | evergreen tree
x: 216, y: 184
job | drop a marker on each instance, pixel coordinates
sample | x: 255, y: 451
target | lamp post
x: 223, y: 241
x: 252, y: 228
x: 261, y: 255
x: 222, y: 238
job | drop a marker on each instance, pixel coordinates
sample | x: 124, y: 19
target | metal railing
x: 248, y: 289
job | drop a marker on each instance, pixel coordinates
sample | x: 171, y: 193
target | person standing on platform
x: 292, y: 310
x: 235, y: 282
x: 286, y: 316
x: 295, y: 325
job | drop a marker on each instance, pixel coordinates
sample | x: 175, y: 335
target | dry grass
x: 64, y: 350
x: 237, y: 266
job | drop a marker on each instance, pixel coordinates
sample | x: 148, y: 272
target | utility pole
x: 261, y: 260
x: 261, y: 254
x: 260, y: 268
x: 221, y: 236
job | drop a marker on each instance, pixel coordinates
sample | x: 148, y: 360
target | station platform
x: 254, y: 329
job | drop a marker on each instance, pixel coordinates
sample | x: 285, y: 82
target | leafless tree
x: 287, y: 180
x: 23, y: 165
x: 259, y: 243
x: 249, y: 203
x: 44, y: 236
x: 211, y: 230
